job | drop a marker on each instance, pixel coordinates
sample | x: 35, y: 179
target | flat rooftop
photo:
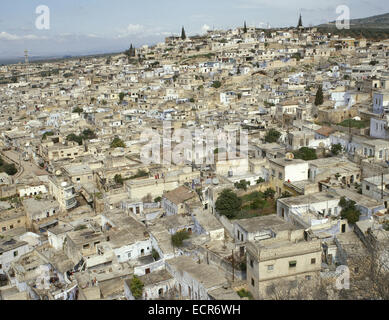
x: 272, y: 222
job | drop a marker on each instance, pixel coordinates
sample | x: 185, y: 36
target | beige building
x: 287, y: 258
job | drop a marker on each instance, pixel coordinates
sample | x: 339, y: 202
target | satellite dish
x: 58, y: 172
x: 289, y: 156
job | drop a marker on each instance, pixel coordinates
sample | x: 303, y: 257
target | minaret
x: 300, y: 23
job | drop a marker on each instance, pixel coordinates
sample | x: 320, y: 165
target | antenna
x: 26, y: 56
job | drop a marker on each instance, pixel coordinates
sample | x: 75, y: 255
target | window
x: 85, y: 246
x: 292, y: 264
x: 251, y: 263
x: 368, y: 188
x: 313, y: 261
x: 11, y: 226
x: 270, y: 267
x: 280, y: 175
x: 15, y: 253
x: 4, y: 229
x: 308, y: 277
x: 252, y: 282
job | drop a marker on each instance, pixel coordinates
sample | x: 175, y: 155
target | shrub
x: 349, y: 211
x: 272, y: 136
x: 117, y: 143
x: 179, y: 237
x: 136, y: 286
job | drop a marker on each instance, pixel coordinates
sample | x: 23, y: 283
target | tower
x: 300, y: 23
x: 26, y: 56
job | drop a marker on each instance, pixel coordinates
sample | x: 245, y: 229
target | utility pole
x: 233, y: 267
x: 382, y: 185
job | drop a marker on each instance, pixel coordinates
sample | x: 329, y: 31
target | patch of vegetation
x: 141, y: 173
x: 272, y: 136
x: 118, y: 179
x: 216, y: 84
x: 336, y: 149
x: 80, y: 227
x: 269, y: 193
x: 179, y: 237
x: 305, y: 153
x: 260, y: 180
x: 243, y: 293
x: 242, y: 184
x: 360, y: 124
x: 155, y: 254
x: 47, y: 134
x: 228, y: 203
x: 158, y: 199
x: 8, y: 168
x: 78, y: 110
x: 349, y: 211
x: 136, y: 286
x: 117, y: 143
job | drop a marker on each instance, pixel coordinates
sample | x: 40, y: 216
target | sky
x: 104, y: 26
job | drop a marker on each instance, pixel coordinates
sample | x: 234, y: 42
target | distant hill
x: 375, y: 22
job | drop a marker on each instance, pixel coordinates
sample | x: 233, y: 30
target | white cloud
x: 134, y: 29
x: 141, y: 31
x: 13, y: 37
x: 205, y: 28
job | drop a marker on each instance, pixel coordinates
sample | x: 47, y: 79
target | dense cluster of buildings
x: 84, y: 215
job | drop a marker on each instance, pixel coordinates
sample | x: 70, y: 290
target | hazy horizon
x: 83, y: 27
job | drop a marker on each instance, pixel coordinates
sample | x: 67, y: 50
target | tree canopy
x: 272, y: 136
x: 117, y: 143
x: 349, y: 211
x: 319, y: 96
x: 228, y: 203
x: 183, y: 35
x: 336, y: 149
x: 305, y: 153
x: 136, y: 286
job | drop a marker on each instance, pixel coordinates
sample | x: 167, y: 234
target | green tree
x: 260, y: 180
x: 88, y: 134
x: 10, y: 169
x: 46, y: 134
x: 336, y: 149
x: 155, y: 254
x: 136, y: 286
x: 179, y: 237
x: 117, y: 143
x: 305, y: 153
x: 158, y: 199
x: 269, y: 193
x: 121, y: 96
x: 216, y: 84
x: 272, y: 136
x: 319, y: 96
x: 78, y: 110
x: 242, y: 184
x: 349, y: 211
x: 285, y: 194
x: 75, y: 138
x: 228, y: 203
x: 118, y: 179
x: 183, y: 35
